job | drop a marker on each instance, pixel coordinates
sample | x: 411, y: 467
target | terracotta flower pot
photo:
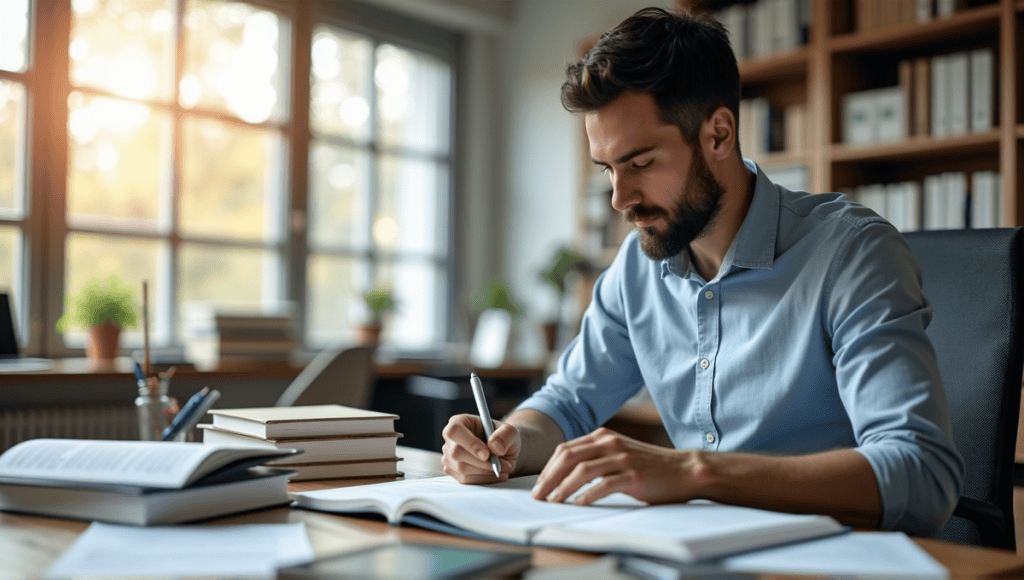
x: 369, y: 335
x: 104, y: 342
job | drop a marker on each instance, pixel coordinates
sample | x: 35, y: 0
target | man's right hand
x: 466, y: 456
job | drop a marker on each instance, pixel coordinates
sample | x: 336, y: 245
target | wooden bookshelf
x: 839, y: 59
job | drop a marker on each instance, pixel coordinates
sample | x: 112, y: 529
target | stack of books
x: 115, y: 481
x: 218, y: 337
x: 335, y: 441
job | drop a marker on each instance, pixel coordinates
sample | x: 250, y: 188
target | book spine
x: 934, y: 203
x: 939, y: 93
x: 889, y: 115
x: 905, y: 70
x: 923, y: 10
x: 922, y: 96
x: 858, y: 118
x: 982, y: 103
x: 958, y: 113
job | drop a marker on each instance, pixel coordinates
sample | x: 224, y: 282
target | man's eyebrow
x: 627, y: 156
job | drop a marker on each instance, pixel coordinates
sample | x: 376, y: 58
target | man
x: 780, y: 334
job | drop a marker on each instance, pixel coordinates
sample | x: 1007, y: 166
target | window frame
x: 45, y: 226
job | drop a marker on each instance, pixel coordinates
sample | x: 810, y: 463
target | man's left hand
x: 646, y: 472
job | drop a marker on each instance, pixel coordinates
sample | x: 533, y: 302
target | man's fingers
x: 461, y: 430
x: 583, y: 473
x: 563, y: 461
x: 460, y: 455
x: 504, y: 440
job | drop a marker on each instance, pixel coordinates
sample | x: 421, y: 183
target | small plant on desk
x: 379, y: 301
x: 103, y: 308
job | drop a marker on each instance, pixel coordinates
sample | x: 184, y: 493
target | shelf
x: 938, y: 30
x: 917, y: 148
x: 775, y: 67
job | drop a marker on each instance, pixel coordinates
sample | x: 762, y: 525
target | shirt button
x: 709, y: 294
x: 711, y: 437
x: 704, y: 363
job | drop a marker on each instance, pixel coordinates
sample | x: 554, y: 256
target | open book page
x: 502, y: 510
x: 691, y: 531
x: 135, y: 463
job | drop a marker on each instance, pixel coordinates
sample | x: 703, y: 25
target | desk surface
x: 28, y: 544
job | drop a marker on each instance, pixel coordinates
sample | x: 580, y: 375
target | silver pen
x: 485, y: 418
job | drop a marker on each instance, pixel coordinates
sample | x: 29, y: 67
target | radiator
x: 85, y: 422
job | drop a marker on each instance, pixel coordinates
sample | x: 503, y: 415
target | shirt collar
x: 754, y: 243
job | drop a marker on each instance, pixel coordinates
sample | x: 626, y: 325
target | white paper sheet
x: 856, y: 554
x: 111, y: 551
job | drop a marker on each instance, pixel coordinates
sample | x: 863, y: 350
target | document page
x: 110, y: 551
x: 852, y: 555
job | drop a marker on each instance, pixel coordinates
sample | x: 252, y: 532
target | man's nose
x: 625, y: 193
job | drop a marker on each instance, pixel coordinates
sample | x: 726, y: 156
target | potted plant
x: 103, y: 308
x: 496, y: 295
x: 564, y: 263
x: 379, y: 301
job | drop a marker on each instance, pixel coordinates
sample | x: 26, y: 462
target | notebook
x: 10, y: 359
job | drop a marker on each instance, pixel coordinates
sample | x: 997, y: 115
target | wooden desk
x: 29, y: 544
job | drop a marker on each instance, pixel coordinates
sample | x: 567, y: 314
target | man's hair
x: 683, y: 60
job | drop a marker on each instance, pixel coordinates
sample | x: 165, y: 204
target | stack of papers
x: 112, y: 551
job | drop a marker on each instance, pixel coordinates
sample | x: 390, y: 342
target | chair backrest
x: 342, y: 376
x: 973, y: 279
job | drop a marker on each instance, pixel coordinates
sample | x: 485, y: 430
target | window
x: 197, y: 161
x: 379, y: 175
x: 14, y: 95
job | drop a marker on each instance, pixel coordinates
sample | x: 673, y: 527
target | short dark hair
x: 683, y: 60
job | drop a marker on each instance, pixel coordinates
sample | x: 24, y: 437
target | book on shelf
x: 303, y: 421
x: 314, y: 449
x: 939, y: 96
x: 958, y: 110
x: 982, y: 65
x: 986, y: 199
x: 689, y: 532
x: 138, y: 482
x: 922, y: 96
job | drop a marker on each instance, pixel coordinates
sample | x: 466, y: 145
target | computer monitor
x: 8, y: 338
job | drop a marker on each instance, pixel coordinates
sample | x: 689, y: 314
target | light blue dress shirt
x: 810, y: 338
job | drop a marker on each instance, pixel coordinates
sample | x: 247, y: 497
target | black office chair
x: 973, y: 279
x: 336, y: 376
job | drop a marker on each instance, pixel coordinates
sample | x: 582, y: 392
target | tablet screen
x: 412, y: 562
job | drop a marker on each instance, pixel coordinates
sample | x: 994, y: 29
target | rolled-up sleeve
x: 888, y: 378
x: 598, y: 371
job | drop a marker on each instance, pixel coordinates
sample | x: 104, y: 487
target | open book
x: 689, y: 532
x: 138, y: 482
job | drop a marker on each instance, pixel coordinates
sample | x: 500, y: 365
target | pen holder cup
x: 151, y: 407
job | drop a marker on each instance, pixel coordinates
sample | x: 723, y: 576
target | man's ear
x: 718, y: 134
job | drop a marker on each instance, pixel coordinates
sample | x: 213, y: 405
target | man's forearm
x: 539, y: 435
x: 838, y: 483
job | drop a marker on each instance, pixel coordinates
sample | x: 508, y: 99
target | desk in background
x: 75, y: 399
x: 28, y: 544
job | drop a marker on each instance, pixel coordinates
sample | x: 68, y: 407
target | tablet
x: 413, y: 561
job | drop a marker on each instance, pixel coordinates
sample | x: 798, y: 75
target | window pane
x: 118, y: 162
x: 233, y: 60
x: 12, y: 148
x: 10, y: 258
x: 413, y: 99
x: 339, y: 208
x: 340, y: 84
x: 231, y: 181
x: 419, y: 289
x: 91, y: 257
x: 412, y: 211
x: 334, y: 301
x: 10, y: 276
x: 13, y: 35
x: 123, y: 47
x: 239, y: 277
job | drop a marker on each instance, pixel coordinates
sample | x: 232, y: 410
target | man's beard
x: 690, y: 219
